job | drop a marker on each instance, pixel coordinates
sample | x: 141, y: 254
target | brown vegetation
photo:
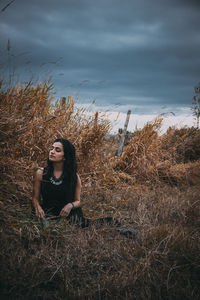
x: 153, y: 188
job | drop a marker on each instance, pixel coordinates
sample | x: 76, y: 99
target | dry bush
x: 180, y: 174
x: 172, y: 158
x: 180, y: 149
x: 142, y: 155
x: 182, y: 144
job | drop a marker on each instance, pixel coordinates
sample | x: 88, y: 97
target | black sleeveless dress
x: 55, y: 195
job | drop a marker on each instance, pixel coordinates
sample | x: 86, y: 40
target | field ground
x: 153, y: 188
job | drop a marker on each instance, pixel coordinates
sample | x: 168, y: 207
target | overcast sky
x: 142, y: 55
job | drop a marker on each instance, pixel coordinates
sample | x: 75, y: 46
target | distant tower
x: 196, y: 103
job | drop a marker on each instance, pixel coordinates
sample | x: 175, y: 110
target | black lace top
x: 55, y: 193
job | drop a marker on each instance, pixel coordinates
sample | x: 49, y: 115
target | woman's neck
x: 58, y: 166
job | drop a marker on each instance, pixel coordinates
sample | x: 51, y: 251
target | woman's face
x: 56, y: 153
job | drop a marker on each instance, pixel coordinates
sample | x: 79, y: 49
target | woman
x: 59, y: 185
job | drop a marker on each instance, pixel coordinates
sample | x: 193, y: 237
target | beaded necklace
x: 56, y: 181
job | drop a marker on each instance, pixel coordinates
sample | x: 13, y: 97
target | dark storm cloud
x: 143, y: 52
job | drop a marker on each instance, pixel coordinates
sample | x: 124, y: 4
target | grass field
x: 153, y: 188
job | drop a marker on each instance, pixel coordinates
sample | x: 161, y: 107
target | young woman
x: 59, y: 185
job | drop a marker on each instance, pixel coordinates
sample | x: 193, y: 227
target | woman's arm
x: 77, y: 195
x: 76, y: 203
x: 36, y: 193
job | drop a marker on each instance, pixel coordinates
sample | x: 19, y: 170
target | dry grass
x: 66, y: 262
x: 153, y: 187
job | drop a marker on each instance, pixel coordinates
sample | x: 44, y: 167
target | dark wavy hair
x: 70, y: 165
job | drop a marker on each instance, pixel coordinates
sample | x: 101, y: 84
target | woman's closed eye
x: 56, y: 149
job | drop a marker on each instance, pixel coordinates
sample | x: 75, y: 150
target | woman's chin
x: 51, y: 158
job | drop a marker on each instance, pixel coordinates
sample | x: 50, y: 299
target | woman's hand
x: 66, y: 210
x: 39, y: 211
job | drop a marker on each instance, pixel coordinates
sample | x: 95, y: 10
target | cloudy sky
x: 132, y: 54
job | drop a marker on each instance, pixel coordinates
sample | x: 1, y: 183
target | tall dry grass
x: 172, y: 157
x: 153, y: 188
x: 29, y: 125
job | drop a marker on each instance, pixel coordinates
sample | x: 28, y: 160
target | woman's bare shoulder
x: 39, y: 173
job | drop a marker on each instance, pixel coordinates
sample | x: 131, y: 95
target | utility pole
x: 96, y: 120
x: 122, y: 139
x: 63, y: 101
x: 196, y: 104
